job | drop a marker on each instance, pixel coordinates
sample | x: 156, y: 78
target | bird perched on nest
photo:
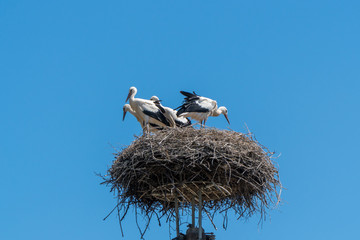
x: 146, y: 110
x: 200, y: 108
x: 170, y: 114
x: 127, y: 108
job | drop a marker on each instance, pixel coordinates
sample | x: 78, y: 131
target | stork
x: 170, y: 114
x: 200, y: 108
x: 146, y: 110
x: 127, y: 108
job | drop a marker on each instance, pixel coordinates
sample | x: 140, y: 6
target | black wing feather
x: 191, y: 107
x: 190, y: 104
x: 158, y: 104
x: 190, y: 96
x: 155, y: 126
x: 181, y: 124
x: 158, y: 116
x: 187, y: 94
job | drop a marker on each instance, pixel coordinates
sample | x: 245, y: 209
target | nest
x: 230, y: 169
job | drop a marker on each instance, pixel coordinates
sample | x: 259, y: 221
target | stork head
x: 126, y: 108
x: 154, y: 99
x: 132, y: 92
x: 224, y: 111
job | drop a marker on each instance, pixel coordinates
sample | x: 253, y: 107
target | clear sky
x: 288, y: 69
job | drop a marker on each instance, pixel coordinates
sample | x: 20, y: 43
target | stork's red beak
x: 128, y: 96
x: 124, y: 114
x: 227, y: 119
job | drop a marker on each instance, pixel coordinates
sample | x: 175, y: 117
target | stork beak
x: 128, y: 96
x: 227, y: 119
x: 124, y: 114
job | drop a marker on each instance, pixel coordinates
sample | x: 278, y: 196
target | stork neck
x: 133, y: 93
x: 216, y: 112
x: 131, y: 111
x: 131, y: 100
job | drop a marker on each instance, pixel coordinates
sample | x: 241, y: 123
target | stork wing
x: 190, y: 96
x: 150, y: 109
x: 193, y: 106
x: 207, y: 103
x: 158, y: 104
x: 155, y: 126
x: 182, y: 122
x: 187, y: 94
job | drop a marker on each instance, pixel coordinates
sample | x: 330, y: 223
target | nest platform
x: 232, y: 171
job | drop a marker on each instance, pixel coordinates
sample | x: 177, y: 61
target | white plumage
x: 170, y: 114
x: 127, y: 108
x: 146, y: 110
x: 200, y: 108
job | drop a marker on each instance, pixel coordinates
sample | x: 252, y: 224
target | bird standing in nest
x: 170, y: 114
x: 200, y: 108
x: 146, y: 111
x: 127, y: 108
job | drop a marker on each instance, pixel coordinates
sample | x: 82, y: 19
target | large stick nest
x: 232, y: 171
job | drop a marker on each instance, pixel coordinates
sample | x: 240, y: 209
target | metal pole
x: 177, y: 215
x: 193, y: 212
x: 200, y: 217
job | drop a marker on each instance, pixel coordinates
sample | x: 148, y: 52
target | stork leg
x: 143, y: 127
x: 146, y: 127
x: 144, y: 130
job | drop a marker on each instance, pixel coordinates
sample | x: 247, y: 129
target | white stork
x: 146, y: 110
x: 127, y: 108
x: 170, y: 114
x: 200, y: 108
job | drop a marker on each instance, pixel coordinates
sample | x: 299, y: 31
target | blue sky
x: 288, y: 69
